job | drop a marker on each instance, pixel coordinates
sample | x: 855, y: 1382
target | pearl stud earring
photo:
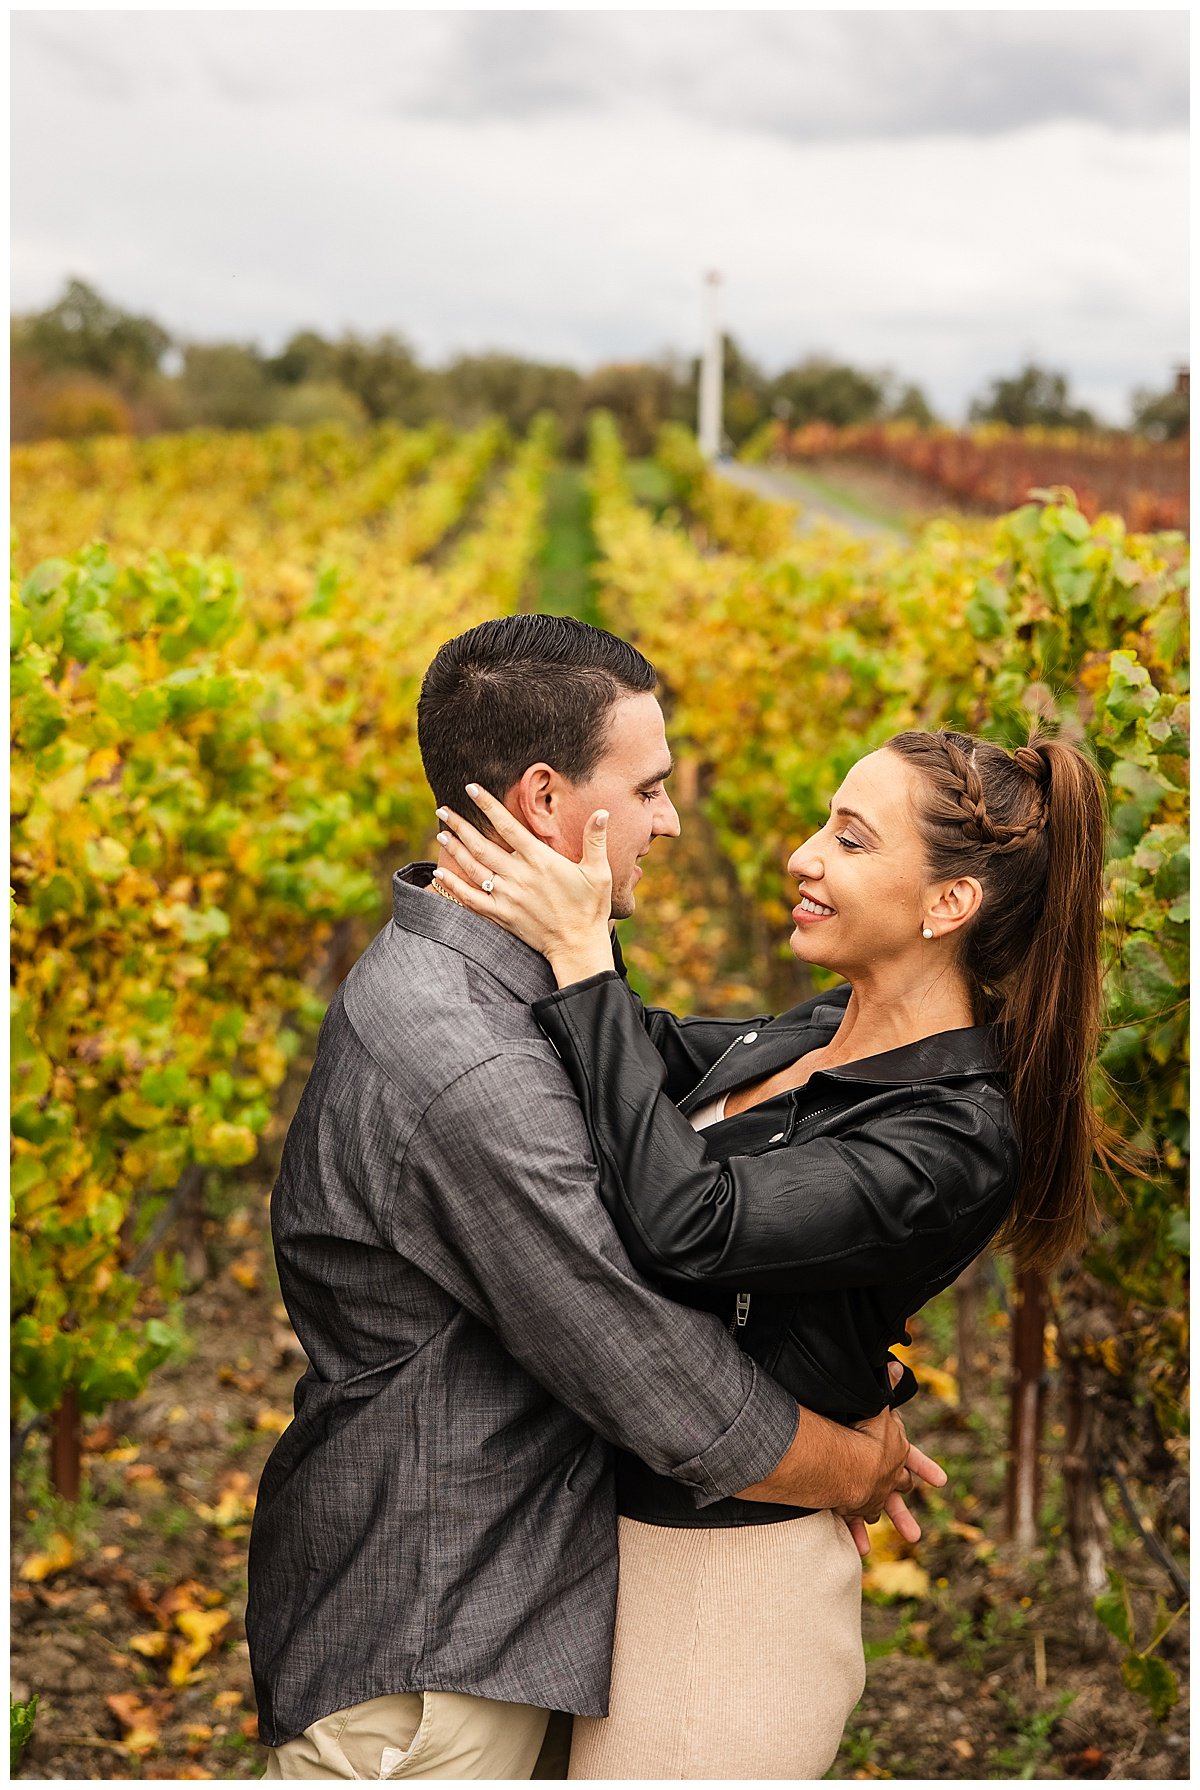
x: 926, y: 932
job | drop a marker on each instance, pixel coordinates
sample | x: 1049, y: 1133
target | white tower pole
x: 711, y: 370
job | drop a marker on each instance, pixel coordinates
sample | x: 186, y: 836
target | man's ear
x: 532, y: 799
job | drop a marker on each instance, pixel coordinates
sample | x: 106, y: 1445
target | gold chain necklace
x: 438, y: 890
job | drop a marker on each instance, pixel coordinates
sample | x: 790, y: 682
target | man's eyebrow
x: 658, y: 777
x: 853, y: 814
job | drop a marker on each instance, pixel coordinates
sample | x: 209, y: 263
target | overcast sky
x: 944, y: 193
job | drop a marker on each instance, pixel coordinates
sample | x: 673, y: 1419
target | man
x: 433, y: 1557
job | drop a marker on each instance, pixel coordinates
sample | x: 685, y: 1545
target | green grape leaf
x: 1153, y: 1679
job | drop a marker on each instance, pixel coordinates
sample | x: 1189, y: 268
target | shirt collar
x: 523, y: 971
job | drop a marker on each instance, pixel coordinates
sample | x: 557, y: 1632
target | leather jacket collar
x: 965, y: 1054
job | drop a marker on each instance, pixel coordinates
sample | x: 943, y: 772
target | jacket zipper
x: 741, y: 1315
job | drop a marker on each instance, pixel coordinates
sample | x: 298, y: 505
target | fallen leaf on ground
x: 139, y: 1722
x: 248, y: 1727
x: 189, y: 1594
x: 58, y: 1600
x: 248, y: 1383
x: 59, y: 1553
x: 943, y: 1385
x: 144, y: 1479
x: 886, y: 1542
x: 225, y: 1700
x: 129, y: 1452
x: 965, y: 1531
x: 234, y: 1506
x: 152, y: 1645
x: 963, y: 1748
x: 247, y: 1271
x: 112, y: 1551
x: 897, y: 1578
x: 275, y: 1421
x: 200, y: 1629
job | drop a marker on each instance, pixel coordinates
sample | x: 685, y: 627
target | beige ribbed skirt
x: 738, y: 1653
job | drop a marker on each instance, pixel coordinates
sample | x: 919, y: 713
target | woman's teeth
x: 813, y: 907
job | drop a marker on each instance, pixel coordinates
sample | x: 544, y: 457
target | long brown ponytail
x: 1030, y: 827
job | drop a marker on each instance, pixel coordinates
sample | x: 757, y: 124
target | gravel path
x: 790, y: 486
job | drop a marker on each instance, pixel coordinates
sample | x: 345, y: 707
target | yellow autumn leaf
x: 102, y: 763
x: 247, y: 1271
x: 897, y: 1578
x: 886, y: 1542
x: 59, y: 1553
x: 139, y: 1722
x: 145, y: 1481
x: 232, y: 1507
x: 62, y: 792
x: 152, y: 1645
x: 140, y: 1740
x: 274, y: 1421
x: 942, y: 1384
x: 939, y: 1382
x: 200, y: 1629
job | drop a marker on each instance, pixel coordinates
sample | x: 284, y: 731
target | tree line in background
x: 84, y: 366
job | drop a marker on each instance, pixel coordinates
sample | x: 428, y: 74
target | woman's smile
x: 809, y: 909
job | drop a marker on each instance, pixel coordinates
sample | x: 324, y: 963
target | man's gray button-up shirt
x: 440, y: 1514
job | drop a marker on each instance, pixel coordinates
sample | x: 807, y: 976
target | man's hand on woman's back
x: 861, y: 1473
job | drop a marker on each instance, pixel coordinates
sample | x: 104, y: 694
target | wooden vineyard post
x: 1027, y: 1399
x: 66, y: 1447
x: 1086, y: 1521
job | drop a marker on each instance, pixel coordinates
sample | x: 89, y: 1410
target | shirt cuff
x: 750, y: 1449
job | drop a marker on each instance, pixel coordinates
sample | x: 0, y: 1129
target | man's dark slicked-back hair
x: 517, y: 691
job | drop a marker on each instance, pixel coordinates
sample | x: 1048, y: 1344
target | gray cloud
x: 800, y: 76
x: 810, y: 76
x: 506, y: 65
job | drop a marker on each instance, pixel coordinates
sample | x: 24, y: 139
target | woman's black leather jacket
x: 816, y: 1222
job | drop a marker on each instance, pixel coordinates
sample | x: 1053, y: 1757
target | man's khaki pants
x: 416, y: 1734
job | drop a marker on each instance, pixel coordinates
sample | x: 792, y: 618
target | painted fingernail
x: 442, y: 813
x: 472, y: 789
x: 443, y: 838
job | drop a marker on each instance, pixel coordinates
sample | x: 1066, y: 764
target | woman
x: 857, y: 1153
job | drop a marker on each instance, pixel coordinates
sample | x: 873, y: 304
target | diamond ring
x: 488, y: 884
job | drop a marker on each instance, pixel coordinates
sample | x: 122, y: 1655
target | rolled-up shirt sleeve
x: 497, y: 1199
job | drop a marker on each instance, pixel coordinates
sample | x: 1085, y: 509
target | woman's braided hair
x: 1029, y: 826
x: 978, y: 823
